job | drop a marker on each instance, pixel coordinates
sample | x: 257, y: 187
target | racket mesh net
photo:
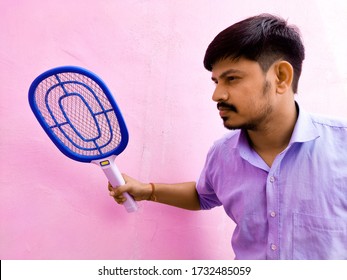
x: 78, y: 113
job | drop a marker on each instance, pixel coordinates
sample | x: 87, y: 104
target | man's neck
x: 274, y: 137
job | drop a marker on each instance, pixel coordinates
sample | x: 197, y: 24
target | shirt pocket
x: 318, y: 238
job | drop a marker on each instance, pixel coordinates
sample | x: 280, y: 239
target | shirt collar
x: 304, y: 129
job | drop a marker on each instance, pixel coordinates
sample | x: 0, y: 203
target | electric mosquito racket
x: 81, y: 117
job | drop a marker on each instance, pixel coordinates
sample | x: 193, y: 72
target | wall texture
x: 150, y: 55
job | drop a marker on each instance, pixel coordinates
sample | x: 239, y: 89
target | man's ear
x: 284, y: 76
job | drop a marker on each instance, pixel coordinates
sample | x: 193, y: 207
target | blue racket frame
x: 48, y: 128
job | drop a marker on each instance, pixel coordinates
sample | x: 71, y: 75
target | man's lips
x: 225, y: 108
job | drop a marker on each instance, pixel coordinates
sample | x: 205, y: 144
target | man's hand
x: 139, y: 191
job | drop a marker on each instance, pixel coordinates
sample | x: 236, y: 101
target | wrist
x: 152, y: 196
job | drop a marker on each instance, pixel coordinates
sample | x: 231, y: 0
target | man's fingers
x: 119, y: 198
x: 117, y: 191
x: 117, y: 194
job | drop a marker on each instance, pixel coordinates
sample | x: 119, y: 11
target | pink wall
x: 150, y: 55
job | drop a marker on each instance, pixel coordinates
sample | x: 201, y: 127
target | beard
x: 260, y: 117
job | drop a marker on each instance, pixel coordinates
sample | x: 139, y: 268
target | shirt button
x: 273, y: 214
x: 273, y: 247
x: 272, y: 179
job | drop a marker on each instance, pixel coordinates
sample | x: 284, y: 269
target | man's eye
x: 231, y: 78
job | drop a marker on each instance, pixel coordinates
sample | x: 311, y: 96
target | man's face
x: 243, y: 94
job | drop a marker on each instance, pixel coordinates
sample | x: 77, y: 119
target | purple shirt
x: 297, y: 209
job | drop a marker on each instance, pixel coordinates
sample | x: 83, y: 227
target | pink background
x: 150, y: 55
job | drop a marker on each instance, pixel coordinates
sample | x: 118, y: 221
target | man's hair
x: 264, y: 38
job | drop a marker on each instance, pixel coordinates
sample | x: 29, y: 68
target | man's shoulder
x: 229, y: 140
x: 230, y: 137
x: 331, y: 130
x: 329, y: 121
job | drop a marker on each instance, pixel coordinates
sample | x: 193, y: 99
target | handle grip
x: 116, y: 179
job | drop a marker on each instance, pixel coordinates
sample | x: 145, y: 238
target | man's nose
x: 220, y: 94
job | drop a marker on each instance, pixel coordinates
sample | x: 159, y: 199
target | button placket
x: 272, y: 198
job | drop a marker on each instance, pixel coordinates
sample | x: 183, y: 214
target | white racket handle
x: 116, y: 179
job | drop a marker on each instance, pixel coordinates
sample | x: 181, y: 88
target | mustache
x: 223, y: 105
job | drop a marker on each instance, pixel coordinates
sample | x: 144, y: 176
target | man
x: 281, y: 174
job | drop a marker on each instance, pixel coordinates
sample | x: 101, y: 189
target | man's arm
x: 182, y: 195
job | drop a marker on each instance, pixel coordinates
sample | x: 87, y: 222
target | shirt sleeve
x: 207, y: 196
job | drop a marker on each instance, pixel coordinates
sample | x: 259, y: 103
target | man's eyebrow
x: 227, y: 72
